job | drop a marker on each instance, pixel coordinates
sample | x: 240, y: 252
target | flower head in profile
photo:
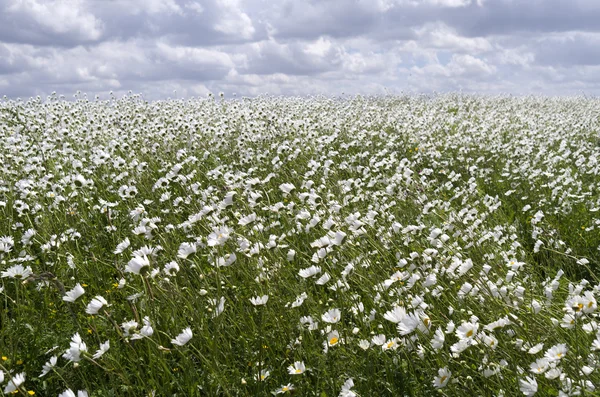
x: 17, y: 272
x: 137, y: 264
x: 14, y: 383
x: 528, y: 386
x: 259, y: 300
x: 183, y: 338
x: 346, y: 389
x: 77, y: 346
x: 103, y: 349
x: 72, y: 295
x: 95, y: 305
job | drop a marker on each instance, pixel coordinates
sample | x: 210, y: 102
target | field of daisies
x: 365, y: 246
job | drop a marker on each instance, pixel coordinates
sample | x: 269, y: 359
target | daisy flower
x: 528, y: 386
x: 332, y: 316
x: 14, y: 383
x: 441, y: 380
x: 259, y: 300
x: 95, y: 305
x: 296, y: 369
x: 17, y: 272
x: 72, y: 295
x: 333, y: 338
x: 183, y: 338
x: 285, y: 389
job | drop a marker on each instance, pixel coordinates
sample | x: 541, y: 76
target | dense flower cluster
x: 360, y: 246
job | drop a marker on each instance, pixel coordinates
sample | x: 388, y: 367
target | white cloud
x: 63, y: 17
x: 290, y: 47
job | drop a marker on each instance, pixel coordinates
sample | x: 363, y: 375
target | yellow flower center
x: 443, y: 379
x: 333, y: 341
x: 298, y: 371
x: 469, y: 334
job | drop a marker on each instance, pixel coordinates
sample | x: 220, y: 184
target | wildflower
x: 72, y: 295
x: 17, y: 272
x: 146, y: 331
x: 219, y: 236
x: 77, y: 346
x: 333, y: 338
x: 395, y: 315
x: 299, y: 300
x: 137, y: 264
x: 528, y: 386
x: 264, y: 374
x: 296, y: 369
x: 171, y: 268
x: 438, y: 339
x: 287, y: 188
x: 309, y: 271
x: 332, y: 316
x: 103, y: 349
x: 259, y: 300
x: 183, y: 338
x: 285, y: 388
x: 122, y: 246
x: 70, y: 393
x: 14, y: 383
x: 247, y: 219
x: 442, y: 379
x: 539, y: 366
x: 186, y: 249
x: 323, y: 279
x: 95, y: 305
x: 467, y: 330
x: 556, y: 352
x: 346, y: 392
x: 48, y: 366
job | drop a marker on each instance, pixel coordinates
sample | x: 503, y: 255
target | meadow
x: 359, y: 246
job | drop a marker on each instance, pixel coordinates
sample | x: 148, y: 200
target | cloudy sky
x: 298, y: 47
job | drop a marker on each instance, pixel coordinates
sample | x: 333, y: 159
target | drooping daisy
x: 14, y: 383
x: 309, y: 271
x: 95, y: 305
x: 395, y: 315
x: 72, y: 295
x: 76, y: 347
x: 183, y: 338
x: 286, y: 188
x: 259, y: 300
x: 186, y: 249
x: 346, y: 392
x: 137, y: 264
x: 103, y: 349
x: 48, y: 366
x: 528, y: 386
x: 323, y: 279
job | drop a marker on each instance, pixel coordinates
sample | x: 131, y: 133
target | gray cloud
x: 298, y: 47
